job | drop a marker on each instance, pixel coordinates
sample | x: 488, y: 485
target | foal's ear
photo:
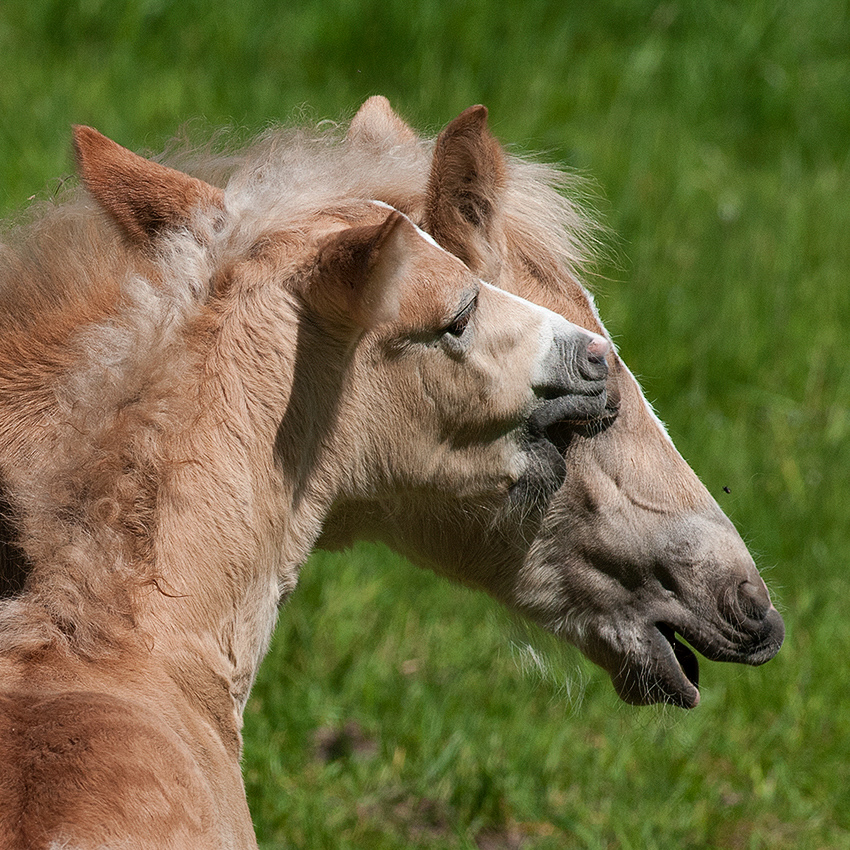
x: 377, y: 125
x: 466, y: 179
x: 355, y: 269
x: 144, y: 199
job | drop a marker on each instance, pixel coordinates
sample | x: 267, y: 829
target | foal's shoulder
x: 81, y: 766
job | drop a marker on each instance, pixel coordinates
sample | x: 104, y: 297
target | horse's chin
x: 543, y: 476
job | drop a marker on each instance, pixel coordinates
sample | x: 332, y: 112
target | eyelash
x: 460, y: 322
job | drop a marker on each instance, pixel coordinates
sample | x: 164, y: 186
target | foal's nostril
x: 595, y: 364
x: 597, y: 349
x: 575, y: 370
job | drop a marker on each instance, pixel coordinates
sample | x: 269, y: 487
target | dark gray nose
x: 747, y: 602
x: 753, y: 601
x: 759, y: 630
x: 576, y: 365
x: 572, y: 386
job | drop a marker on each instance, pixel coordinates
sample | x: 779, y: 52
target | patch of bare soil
x: 332, y: 743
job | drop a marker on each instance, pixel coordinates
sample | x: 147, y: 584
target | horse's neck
x: 234, y: 525
x: 223, y: 539
x: 223, y: 555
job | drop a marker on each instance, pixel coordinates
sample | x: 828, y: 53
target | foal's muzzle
x: 573, y: 388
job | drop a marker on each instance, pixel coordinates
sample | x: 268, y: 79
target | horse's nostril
x: 753, y: 600
x: 748, y: 601
x: 595, y: 365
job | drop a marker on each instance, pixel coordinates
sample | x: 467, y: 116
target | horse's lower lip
x: 672, y: 673
x: 668, y: 672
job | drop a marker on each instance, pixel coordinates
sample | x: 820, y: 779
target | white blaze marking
x: 426, y: 236
x: 553, y: 326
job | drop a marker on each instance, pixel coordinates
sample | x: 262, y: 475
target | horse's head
x: 632, y: 550
x: 447, y: 383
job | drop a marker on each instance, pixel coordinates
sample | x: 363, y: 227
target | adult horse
x: 191, y: 379
x: 632, y: 549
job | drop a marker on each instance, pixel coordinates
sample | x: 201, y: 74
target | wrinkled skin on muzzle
x: 640, y: 553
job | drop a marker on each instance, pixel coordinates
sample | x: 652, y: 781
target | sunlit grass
x: 395, y: 710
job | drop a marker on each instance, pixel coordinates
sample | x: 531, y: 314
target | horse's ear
x: 466, y: 179
x: 377, y: 125
x: 144, y: 199
x: 354, y: 267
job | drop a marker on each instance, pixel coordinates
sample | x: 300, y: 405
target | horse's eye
x: 461, y: 320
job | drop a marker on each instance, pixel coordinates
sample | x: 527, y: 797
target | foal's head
x: 431, y: 379
x: 339, y: 339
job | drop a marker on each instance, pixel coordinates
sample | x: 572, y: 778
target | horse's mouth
x: 668, y: 669
x: 667, y: 672
x: 688, y: 664
x: 571, y: 410
x: 550, y: 429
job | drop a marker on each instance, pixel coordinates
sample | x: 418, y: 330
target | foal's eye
x: 461, y: 320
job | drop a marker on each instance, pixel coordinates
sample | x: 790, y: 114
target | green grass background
x: 719, y: 136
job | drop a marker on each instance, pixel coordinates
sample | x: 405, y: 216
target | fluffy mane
x: 94, y: 352
x: 287, y: 173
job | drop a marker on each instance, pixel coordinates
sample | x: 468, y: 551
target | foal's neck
x: 237, y: 515
x: 160, y: 519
